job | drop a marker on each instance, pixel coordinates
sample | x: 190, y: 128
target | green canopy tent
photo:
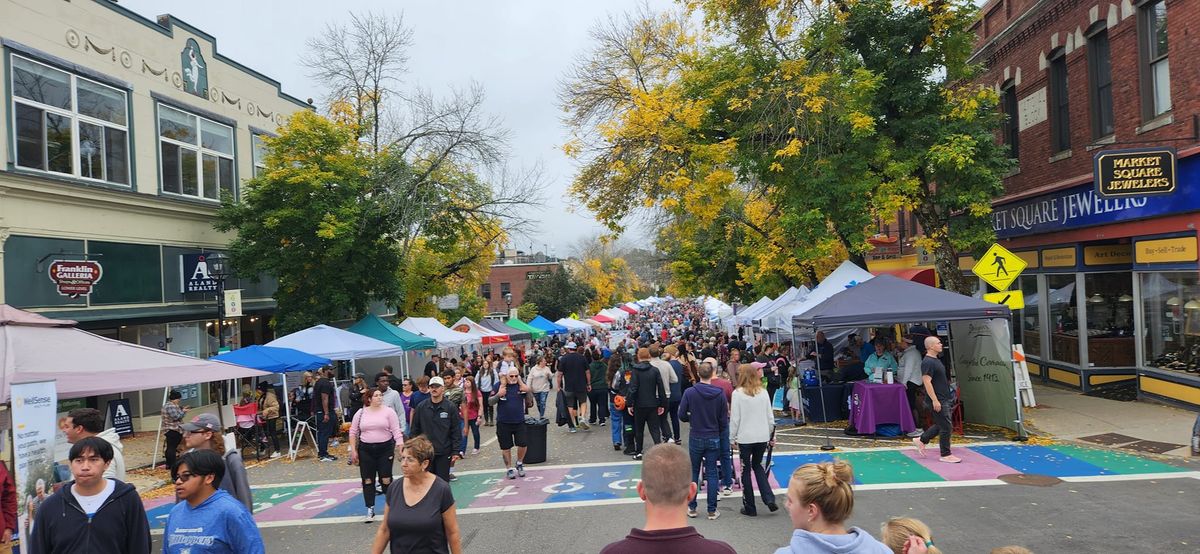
x: 375, y: 327
x: 537, y: 333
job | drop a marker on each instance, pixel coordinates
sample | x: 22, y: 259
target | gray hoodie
x: 116, y: 469
x: 855, y: 541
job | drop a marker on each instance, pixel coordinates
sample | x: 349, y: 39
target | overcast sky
x: 518, y: 51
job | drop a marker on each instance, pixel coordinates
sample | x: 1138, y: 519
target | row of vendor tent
x: 774, y: 316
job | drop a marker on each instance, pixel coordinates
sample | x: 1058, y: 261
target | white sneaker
x: 276, y: 455
x: 725, y: 493
x: 714, y: 515
x: 370, y: 515
x: 584, y: 425
x: 692, y: 513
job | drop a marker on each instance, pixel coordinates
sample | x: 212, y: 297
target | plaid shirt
x: 172, y: 416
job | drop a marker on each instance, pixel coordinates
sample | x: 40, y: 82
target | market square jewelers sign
x: 982, y: 358
x: 1135, y: 172
x: 33, y: 420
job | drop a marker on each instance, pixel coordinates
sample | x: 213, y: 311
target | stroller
x: 249, y: 427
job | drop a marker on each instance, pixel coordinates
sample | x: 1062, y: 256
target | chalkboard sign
x: 119, y: 415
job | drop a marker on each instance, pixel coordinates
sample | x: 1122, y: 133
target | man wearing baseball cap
x: 574, y: 379
x: 438, y: 419
x: 203, y: 432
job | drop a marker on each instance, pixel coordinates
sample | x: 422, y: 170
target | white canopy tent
x: 575, y: 325
x: 842, y: 278
x: 485, y: 335
x: 744, y: 316
x: 432, y: 328
x: 633, y: 306
x: 619, y: 315
x: 778, y: 319
x: 788, y: 297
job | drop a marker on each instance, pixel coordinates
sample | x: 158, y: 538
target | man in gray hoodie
x: 81, y: 423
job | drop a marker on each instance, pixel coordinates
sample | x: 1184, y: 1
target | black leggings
x: 488, y: 409
x: 375, y: 458
x: 273, y: 432
x: 172, y: 452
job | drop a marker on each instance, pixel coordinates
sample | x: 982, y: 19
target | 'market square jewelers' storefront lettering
x: 1135, y: 172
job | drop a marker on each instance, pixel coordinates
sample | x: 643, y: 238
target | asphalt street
x: 1104, y: 513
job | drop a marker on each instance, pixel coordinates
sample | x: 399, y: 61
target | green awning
x: 375, y: 327
x: 537, y: 333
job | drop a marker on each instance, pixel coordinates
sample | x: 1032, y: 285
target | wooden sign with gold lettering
x: 1135, y: 172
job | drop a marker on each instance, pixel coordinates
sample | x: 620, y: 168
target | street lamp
x: 218, y: 269
x: 508, y: 300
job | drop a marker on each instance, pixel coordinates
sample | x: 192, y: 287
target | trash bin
x: 536, y: 439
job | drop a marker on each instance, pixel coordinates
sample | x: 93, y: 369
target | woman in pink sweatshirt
x: 374, y: 437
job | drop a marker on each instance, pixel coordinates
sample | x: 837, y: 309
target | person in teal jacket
x: 207, y: 520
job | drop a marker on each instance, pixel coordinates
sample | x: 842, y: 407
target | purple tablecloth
x: 872, y: 404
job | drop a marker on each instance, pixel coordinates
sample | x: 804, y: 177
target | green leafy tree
x: 309, y: 221
x: 560, y: 294
x: 527, y: 311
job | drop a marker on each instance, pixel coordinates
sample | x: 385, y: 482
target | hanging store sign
x: 1135, y: 172
x: 194, y: 273
x: 1082, y: 206
x: 1173, y: 250
x: 75, y: 278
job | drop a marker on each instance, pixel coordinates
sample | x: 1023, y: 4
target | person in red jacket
x: 8, y: 507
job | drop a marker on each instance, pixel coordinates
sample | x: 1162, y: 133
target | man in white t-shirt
x: 910, y: 376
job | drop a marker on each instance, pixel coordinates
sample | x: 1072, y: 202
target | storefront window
x: 1171, y: 318
x: 1064, y: 319
x: 1026, y: 321
x: 1109, y: 319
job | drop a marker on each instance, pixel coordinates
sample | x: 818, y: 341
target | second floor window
x: 505, y: 288
x: 485, y: 290
x: 66, y: 124
x: 196, y: 155
x: 1100, y: 77
x: 1060, y: 104
x: 259, y: 148
x: 1010, y: 130
x: 1156, y: 74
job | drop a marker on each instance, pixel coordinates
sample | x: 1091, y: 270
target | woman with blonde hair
x: 819, y: 501
x: 905, y: 535
x: 751, y: 426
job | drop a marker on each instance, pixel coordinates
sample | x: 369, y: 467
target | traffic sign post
x: 1014, y: 299
x: 999, y: 267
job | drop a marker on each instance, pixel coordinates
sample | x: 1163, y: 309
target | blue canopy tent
x: 550, y: 327
x: 276, y: 360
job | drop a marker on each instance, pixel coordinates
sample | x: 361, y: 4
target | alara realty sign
x: 75, y: 278
x: 1135, y: 172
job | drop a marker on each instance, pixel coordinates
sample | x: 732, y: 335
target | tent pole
x: 821, y: 393
x: 287, y: 408
x: 158, y: 436
x: 1022, y: 434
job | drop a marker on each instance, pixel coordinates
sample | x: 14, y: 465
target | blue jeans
x: 324, y: 431
x: 541, y: 402
x: 473, y: 427
x: 707, y: 449
x: 617, y: 423
x: 726, y: 460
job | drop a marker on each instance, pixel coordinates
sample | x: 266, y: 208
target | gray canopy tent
x: 982, y: 353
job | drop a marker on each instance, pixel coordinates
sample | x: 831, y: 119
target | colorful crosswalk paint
x: 599, y: 484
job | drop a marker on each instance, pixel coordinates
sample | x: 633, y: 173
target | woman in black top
x: 420, y: 515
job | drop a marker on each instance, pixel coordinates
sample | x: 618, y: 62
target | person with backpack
x: 203, y: 432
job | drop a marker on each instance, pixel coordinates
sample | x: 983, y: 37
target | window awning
x: 923, y: 275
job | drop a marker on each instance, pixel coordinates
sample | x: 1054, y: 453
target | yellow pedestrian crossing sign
x: 1014, y: 299
x: 999, y: 267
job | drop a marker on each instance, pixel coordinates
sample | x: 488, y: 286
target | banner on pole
x: 982, y: 356
x: 34, y: 406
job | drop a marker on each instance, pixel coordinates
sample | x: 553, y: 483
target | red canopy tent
x: 627, y: 309
x: 603, y: 318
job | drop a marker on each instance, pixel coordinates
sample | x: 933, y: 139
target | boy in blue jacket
x: 92, y: 513
x: 208, y: 520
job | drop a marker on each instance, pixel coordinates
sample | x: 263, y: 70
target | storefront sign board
x: 1135, y: 172
x: 999, y: 267
x: 1081, y: 206
x: 194, y: 273
x: 1159, y: 251
x: 1108, y: 254
x: 1030, y: 257
x: 75, y: 278
x: 233, y: 303
x: 1058, y: 257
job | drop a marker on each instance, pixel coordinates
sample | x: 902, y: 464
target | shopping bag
x: 777, y: 402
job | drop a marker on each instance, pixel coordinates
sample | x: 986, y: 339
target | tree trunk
x: 937, y: 228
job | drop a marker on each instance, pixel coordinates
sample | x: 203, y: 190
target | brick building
x: 511, y: 273
x: 1112, y: 288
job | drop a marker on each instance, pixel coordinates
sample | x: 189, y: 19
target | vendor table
x: 834, y: 406
x: 872, y: 404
